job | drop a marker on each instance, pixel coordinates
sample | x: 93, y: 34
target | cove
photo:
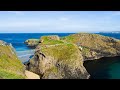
x: 104, y: 68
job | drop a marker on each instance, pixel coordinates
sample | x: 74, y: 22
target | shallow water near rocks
x: 104, y: 68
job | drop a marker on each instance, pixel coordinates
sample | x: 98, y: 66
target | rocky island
x: 63, y: 57
x: 32, y: 42
x: 57, y: 57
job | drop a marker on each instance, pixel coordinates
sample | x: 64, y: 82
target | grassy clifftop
x: 94, y: 44
x: 59, y: 49
x: 68, y: 53
x: 57, y: 59
x: 10, y: 65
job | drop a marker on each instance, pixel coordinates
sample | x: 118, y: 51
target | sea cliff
x: 63, y: 57
x: 58, y: 61
x: 95, y: 46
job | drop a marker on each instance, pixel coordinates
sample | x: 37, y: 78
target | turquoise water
x: 115, y: 71
x: 104, y: 68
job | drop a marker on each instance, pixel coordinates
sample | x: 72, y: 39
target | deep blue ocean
x: 106, y: 68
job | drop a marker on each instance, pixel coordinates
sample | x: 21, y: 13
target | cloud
x: 114, y: 13
x: 61, y: 23
x: 63, y: 18
x: 16, y: 12
x: 53, y: 25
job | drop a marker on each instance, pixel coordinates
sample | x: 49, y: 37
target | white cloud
x: 116, y: 13
x: 49, y: 25
x: 64, y: 19
x: 16, y: 12
x: 60, y: 23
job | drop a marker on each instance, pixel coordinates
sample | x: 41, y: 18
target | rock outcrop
x: 55, y: 59
x: 35, y: 42
x: 51, y: 37
x: 10, y: 66
x: 32, y: 42
x: 62, y: 58
x: 95, y: 46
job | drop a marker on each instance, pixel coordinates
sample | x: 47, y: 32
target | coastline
x: 96, y: 66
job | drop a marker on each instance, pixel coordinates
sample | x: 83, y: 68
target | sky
x: 59, y: 21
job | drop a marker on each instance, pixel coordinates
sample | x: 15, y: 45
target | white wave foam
x: 25, y: 55
x: 27, y: 51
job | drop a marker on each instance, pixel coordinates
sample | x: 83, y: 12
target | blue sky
x: 59, y: 21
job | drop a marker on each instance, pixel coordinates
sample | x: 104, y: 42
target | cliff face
x: 55, y: 59
x: 10, y: 65
x: 60, y: 58
x: 94, y: 46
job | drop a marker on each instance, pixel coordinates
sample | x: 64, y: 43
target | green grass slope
x: 10, y: 66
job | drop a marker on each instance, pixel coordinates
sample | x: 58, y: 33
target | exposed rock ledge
x: 63, y: 58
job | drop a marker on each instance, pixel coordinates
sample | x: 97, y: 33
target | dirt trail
x: 31, y: 75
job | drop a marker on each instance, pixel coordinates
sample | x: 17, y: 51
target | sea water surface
x: 105, y: 68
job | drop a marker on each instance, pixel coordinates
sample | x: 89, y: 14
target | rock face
x: 32, y: 42
x: 58, y: 60
x: 62, y: 58
x: 10, y: 65
x: 95, y: 46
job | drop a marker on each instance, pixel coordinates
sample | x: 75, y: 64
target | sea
x: 105, y: 68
